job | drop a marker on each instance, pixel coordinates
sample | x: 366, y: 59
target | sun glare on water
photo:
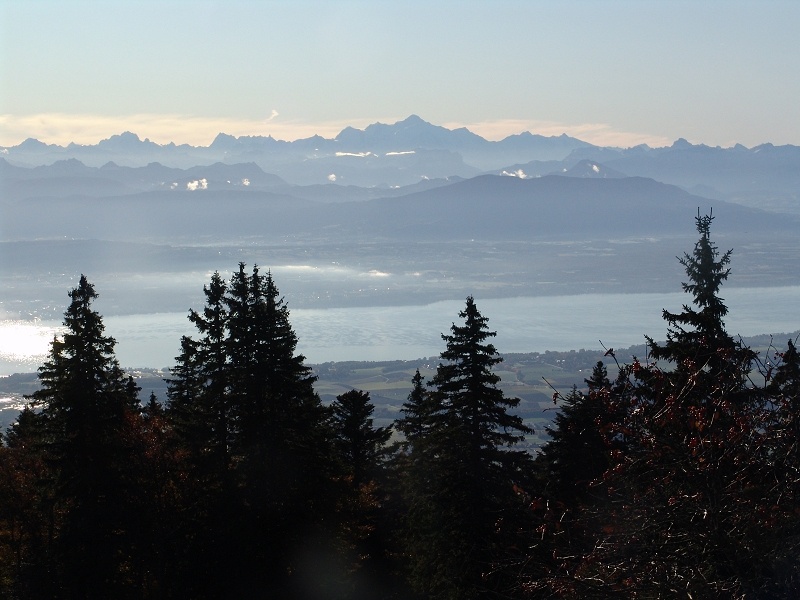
x: 22, y: 340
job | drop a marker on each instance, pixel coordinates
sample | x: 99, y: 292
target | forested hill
x: 483, y: 208
x: 551, y: 207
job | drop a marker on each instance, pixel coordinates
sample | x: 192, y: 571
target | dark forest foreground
x: 676, y: 474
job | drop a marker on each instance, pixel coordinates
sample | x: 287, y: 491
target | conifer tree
x: 781, y: 468
x: 86, y: 407
x: 207, y: 363
x: 184, y: 388
x: 784, y: 391
x: 696, y: 337
x: 463, y: 505
x: 243, y: 403
x: 360, y: 446
x: 26, y: 511
x: 284, y: 438
x: 271, y: 386
x: 577, y: 453
x: 153, y: 408
x: 417, y: 410
x: 199, y: 404
x: 199, y: 411
x: 363, y: 453
x: 569, y: 500
x: 684, y: 487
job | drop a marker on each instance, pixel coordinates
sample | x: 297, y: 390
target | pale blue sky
x: 611, y: 72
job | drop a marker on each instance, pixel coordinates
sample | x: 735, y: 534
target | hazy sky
x: 611, y: 72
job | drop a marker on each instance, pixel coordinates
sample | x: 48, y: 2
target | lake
x: 524, y: 324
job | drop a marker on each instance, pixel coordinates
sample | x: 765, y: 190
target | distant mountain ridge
x: 551, y: 207
x: 411, y: 151
x: 488, y: 208
x: 390, y: 149
x: 410, y: 134
x: 556, y: 233
x: 71, y: 177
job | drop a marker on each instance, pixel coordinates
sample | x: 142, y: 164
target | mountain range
x: 216, y: 202
x: 412, y: 151
x: 556, y: 216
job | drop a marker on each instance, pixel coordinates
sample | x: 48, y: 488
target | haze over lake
x: 376, y: 237
x: 524, y: 324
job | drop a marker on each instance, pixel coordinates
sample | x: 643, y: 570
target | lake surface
x: 524, y: 324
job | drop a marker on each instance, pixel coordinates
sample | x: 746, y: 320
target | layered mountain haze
x: 70, y: 177
x: 379, y: 155
x: 765, y: 176
x: 402, y: 214
x: 160, y: 204
x: 413, y: 150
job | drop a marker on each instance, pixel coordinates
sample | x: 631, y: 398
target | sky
x: 610, y: 72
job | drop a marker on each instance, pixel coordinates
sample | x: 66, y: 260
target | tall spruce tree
x: 87, y: 409
x: 199, y: 399
x: 696, y: 337
x: 283, y: 443
x: 462, y: 507
x: 200, y: 413
x: 685, y: 486
x: 246, y: 394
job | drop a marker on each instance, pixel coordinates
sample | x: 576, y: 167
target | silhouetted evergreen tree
x: 696, y: 337
x: 200, y: 414
x: 784, y: 392
x: 781, y: 469
x: 284, y: 442
x: 685, y: 486
x: 26, y: 511
x: 410, y: 480
x: 463, y: 509
x: 570, y: 500
x: 577, y: 453
x: 160, y: 500
x: 244, y: 405
x: 88, y: 411
x: 363, y: 453
x: 153, y: 408
x: 360, y: 447
x: 207, y: 363
x: 417, y: 411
